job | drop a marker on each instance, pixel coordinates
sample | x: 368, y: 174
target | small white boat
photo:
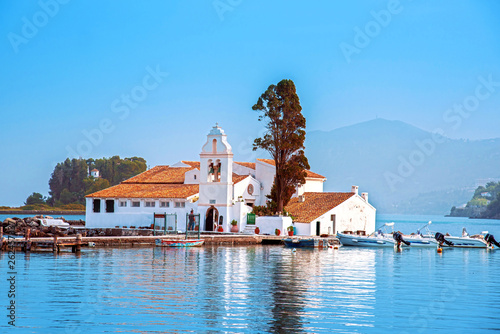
x: 379, y: 238
x: 465, y: 241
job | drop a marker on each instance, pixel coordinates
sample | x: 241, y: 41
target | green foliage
x: 70, y: 182
x: 35, y: 198
x: 284, y: 139
x: 40, y: 207
x: 477, y: 202
x: 93, y: 185
x: 493, y: 209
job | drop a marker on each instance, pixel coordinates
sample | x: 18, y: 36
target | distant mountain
x: 403, y: 168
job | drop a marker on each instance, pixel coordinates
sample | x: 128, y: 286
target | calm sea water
x: 260, y: 289
x: 68, y: 217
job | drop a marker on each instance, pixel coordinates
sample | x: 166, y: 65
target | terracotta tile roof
x: 314, y: 175
x: 268, y: 161
x: 194, y: 164
x: 315, y: 205
x: 246, y: 164
x: 238, y: 178
x: 161, y: 174
x: 148, y: 191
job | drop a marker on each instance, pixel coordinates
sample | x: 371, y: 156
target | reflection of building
x: 220, y: 190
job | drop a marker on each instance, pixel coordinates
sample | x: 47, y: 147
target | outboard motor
x: 440, y: 238
x: 491, y: 240
x: 399, y: 238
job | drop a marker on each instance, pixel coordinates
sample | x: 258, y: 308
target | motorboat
x: 464, y: 241
x: 380, y: 238
x: 296, y: 242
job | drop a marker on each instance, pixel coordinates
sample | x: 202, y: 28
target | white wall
x: 267, y: 225
x: 241, y: 189
x: 265, y: 174
x: 352, y: 215
x: 134, y: 216
x: 192, y: 177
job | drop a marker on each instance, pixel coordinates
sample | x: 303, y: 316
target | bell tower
x: 216, y: 177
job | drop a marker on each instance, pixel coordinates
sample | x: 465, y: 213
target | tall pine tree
x: 284, y: 139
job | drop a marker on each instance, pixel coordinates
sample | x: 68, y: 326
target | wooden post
x: 78, y: 246
x: 54, y: 247
x: 27, y: 238
x: 1, y: 237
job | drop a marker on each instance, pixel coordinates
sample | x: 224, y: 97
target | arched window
x: 214, y: 146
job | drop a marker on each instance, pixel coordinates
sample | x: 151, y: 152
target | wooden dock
x: 56, y: 244
x: 27, y: 244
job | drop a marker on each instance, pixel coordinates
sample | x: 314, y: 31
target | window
x: 123, y: 204
x: 212, y: 201
x: 194, y: 177
x: 180, y: 204
x: 110, y: 205
x: 97, y: 205
x: 150, y: 204
x: 164, y: 204
x: 136, y: 204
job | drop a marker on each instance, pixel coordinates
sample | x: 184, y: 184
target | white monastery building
x: 220, y: 190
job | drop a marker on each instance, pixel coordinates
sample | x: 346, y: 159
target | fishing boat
x: 380, y: 238
x: 306, y: 242
x: 179, y: 242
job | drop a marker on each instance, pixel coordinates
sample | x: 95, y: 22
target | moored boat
x: 379, y: 238
x: 465, y: 241
x: 179, y: 242
x: 296, y: 242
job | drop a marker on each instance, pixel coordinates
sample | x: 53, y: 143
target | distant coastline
x: 43, y: 212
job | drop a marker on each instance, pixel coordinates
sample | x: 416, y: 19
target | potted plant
x: 234, y: 226
x: 277, y: 231
x: 220, y: 229
x: 290, y: 230
x: 257, y: 230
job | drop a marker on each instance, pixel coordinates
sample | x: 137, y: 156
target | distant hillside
x: 401, y: 166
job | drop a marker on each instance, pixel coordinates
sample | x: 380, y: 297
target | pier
x: 56, y: 244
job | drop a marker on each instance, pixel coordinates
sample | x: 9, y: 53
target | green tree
x: 35, y: 198
x: 284, y: 139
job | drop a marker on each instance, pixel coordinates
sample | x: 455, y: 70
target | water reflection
x: 257, y: 289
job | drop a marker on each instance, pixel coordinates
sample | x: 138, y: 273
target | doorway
x: 318, y: 228
x: 211, y: 219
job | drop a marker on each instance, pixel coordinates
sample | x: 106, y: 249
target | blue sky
x: 68, y: 68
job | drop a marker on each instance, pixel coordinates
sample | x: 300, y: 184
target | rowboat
x: 179, y: 243
x: 306, y: 242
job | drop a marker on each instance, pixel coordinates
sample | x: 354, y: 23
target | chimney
x: 302, y: 198
x: 354, y: 189
x: 365, y: 196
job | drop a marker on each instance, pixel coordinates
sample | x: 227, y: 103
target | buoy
x: 439, y: 250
